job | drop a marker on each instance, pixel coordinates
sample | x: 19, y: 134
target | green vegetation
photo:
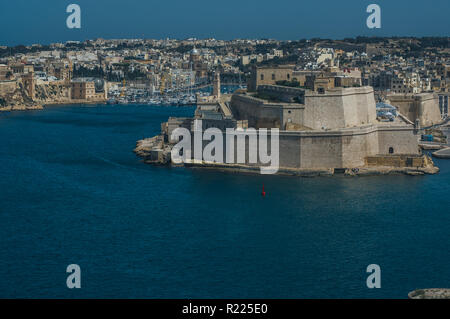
x: 294, y: 83
x: 80, y: 71
x: 287, y: 59
x: 182, y: 49
x: 97, y: 72
x: 267, y: 97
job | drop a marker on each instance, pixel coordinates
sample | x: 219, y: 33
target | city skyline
x: 44, y: 22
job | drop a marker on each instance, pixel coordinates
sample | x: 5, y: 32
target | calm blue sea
x: 72, y: 191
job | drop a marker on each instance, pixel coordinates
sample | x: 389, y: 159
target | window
x: 273, y: 76
x: 288, y: 76
x: 391, y: 150
x: 262, y: 77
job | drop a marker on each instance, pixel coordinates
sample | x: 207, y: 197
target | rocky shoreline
x: 434, y: 293
x: 10, y: 108
x: 21, y: 108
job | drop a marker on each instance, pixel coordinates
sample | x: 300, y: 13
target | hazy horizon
x: 201, y: 39
x: 44, y: 21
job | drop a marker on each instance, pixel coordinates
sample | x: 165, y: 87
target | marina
x: 177, y: 97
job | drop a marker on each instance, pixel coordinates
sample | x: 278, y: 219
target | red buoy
x: 263, y: 192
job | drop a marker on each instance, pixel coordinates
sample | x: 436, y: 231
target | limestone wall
x: 424, y: 107
x: 401, y: 139
x: 346, y: 148
x: 356, y: 147
x: 176, y: 122
x: 318, y: 151
x: 338, y: 149
x: 263, y: 114
x: 340, y: 108
x: 395, y: 161
x: 429, y: 112
x: 258, y: 113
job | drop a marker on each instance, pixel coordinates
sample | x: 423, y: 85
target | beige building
x: 198, y: 66
x: 85, y: 89
x: 269, y: 76
x: 7, y: 82
x: 21, y: 68
x: 61, y: 70
x: 409, y: 83
x: 319, y: 82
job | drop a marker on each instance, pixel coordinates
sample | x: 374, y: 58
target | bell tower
x: 216, y: 85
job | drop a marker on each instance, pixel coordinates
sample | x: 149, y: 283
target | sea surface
x: 73, y: 192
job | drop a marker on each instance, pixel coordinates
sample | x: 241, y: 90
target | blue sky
x: 44, y: 21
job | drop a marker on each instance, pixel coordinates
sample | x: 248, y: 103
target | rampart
x: 423, y: 107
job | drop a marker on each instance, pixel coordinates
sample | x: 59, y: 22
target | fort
x: 324, y: 131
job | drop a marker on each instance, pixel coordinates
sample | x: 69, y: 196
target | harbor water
x: 73, y: 192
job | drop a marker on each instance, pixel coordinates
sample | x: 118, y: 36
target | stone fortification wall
x: 334, y: 109
x: 423, y: 107
x: 396, y: 161
x: 260, y: 114
x: 337, y: 149
x: 401, y: 139
x: 347, y: 148
x: 339, y: 108
x: 174, y: 123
